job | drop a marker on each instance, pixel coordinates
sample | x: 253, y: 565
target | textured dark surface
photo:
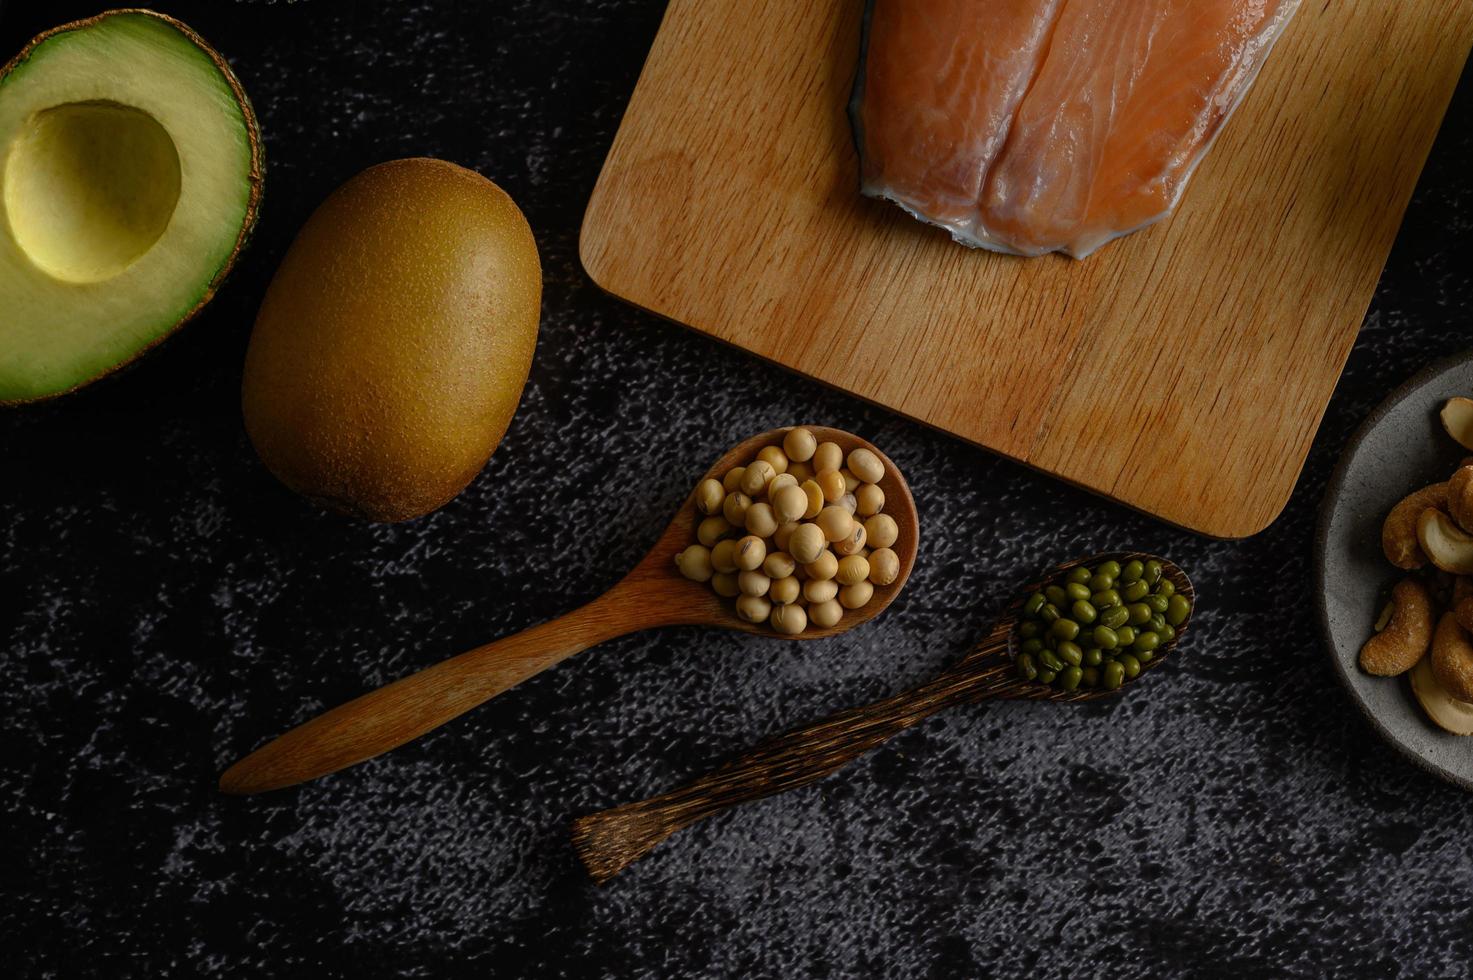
x: 165, y: 606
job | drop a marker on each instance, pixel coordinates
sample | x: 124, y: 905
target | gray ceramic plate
x: 1400, y: 448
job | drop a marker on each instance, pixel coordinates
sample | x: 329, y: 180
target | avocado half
x: 130, y: 178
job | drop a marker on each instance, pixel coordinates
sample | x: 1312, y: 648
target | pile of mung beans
x: 1100, y: 626
x: 797, y: 535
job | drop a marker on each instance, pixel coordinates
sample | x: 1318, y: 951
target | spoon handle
x: 408, y: 708
x: 611, y: 840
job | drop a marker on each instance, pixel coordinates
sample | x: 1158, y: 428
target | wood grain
x: 729, y: 203
x: 609, y: 841
x: 653, y: 594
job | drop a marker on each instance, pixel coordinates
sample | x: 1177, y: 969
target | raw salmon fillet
x: 1034, y: 126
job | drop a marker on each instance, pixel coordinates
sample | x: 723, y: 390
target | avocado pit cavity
x: 89, y: 188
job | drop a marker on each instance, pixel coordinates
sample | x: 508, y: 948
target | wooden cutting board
x: 1182, y: 370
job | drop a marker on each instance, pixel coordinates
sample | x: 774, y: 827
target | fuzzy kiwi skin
x: 392, y: 346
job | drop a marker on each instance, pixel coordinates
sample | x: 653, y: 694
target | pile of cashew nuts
x: 1427, y: 628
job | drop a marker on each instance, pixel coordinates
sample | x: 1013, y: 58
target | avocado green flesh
x: 127, y: 173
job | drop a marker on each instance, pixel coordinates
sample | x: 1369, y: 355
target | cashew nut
x: 1449, y: 546
x: 1457, y: 419
x: 1399, y: 532
x: 1399, y: 646
x: 1452, y: 658
x: 1445, y: 711
x: 1463, y: 611
x: 1460, y: 497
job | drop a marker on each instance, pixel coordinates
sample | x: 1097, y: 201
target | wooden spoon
x: 611, y: 840
x: 653, y: 594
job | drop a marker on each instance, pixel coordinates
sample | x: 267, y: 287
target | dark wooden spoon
x: 653, y: 594
x: 611, y: 840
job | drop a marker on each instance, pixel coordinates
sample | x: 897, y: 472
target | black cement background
x: 165, y: 606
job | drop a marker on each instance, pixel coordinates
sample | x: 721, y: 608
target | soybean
x: 852, y: 569
x: 784, y: 590
x: 831, y: 482
x: 799, y: 444
x: 854, y: 543
x: 712, y: 530
x: 709, y: 496
x: 753, y: 608
x: 866, y: 465
x: 695, y: 563
x: 761, y: 521
x: 820, y: 590
x: 869, y: 500
x: 882, y: 531
x: 884, y: 566
x: 789, y: 504
x: 751, y: 552
x: 856, y: 595
x: 756, y: 478
x: 828, y: 456
x: 825, y: 566
x: 825, y: 614
x: 779, y: 564
x: 807, y: 543
x: 723, y: 556
x: 775, y: 457
x: 790, y: 619
x: 753, y: 583
x: 835, y: 522
x: 799, y: 534
x: 734, y: 508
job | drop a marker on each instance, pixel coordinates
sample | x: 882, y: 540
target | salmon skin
x: 1035, y: 126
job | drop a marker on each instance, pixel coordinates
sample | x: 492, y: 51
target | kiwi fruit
x: 394, y: 341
